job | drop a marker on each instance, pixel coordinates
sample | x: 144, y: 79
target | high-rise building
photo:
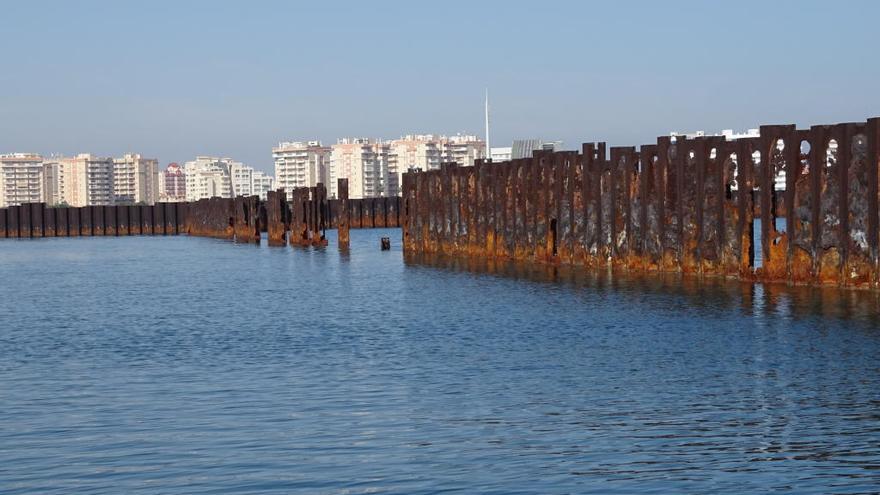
x: 427, y: 152
x: 417, y: 151
x: 21, y: 179
x: 462, y: 149
x: 249, y: 182
x: 208, y: 177
x: 301, y: 164
x: 82, y: 180
x: 135, y: 179
x: 65, y: 181
x: 99, y: 180
x: 174, y: 179
x: 262, y: 183
x: 364, y: 162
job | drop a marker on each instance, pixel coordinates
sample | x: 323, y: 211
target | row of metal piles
x: 702, y: 205
x: 39, y: 220
x: 299, y: 217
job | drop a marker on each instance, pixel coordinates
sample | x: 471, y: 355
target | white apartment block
x: 262, y: 184
x: 65, y: 181
x: 99, y: 180
x: 135, y: 179
x: 301, y: 164
x: 502, y: 154
x: 208, y: 177
x: 426, y: 152
x: 249, y: 182
x: 21, y: 179
x: 463, y: 150
x: 364, y: 162
x: 82, y: 180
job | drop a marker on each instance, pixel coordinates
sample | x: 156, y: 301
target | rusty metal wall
x: 687, y: 205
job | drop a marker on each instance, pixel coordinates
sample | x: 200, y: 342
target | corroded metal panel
x: 147, y: 224
x: 159, y: 219
x: 110, y: 220
x: 368, y: 206
x: 246, y: 227
x: 37, y: 229
x: 13, y: 221
x: 135, y: 227
x: 50, y: 221
x: 275, y: 228
x: 342, y: 220
x: 98, y: 227
x: 74, y: 219
x: 4, y: 225
x: 123, y: 227
x: 25, y: 228
x: 171, y: 218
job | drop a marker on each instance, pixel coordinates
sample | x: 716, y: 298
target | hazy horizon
x: 212, y: 78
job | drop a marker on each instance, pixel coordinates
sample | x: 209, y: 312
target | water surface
x: 183, y: 365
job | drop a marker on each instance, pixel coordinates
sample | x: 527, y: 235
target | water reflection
x: 765, y: 300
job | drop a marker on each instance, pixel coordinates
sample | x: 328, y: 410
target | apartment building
x: 301, y: 164
x: 262, y: 184
x: 174, y: 184
x: 135, y: 179
x: 427, y: 152
x: 208, y: 177
x: 82, y: 180
x: 21, y: 179
x: 364, y: 162
x: 249, y: 182
x: 462, y: 149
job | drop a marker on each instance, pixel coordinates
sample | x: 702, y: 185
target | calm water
x: 183, y: 365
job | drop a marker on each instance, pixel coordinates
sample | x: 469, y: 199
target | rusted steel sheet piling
x: 246, y: 228
x: 343, y: 221
x: 686, y: 205
x: 13, y: 225
x: 275, y: 217
x: 109, y: 213
x: 212, y: 217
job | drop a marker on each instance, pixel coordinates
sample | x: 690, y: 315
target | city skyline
x: 222, y: 79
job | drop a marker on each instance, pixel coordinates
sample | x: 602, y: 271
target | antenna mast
x: 488, y: 148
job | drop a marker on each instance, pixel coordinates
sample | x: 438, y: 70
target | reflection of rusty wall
x: 682, y: 205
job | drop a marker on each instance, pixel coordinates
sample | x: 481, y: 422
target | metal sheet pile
x: 687, y: 205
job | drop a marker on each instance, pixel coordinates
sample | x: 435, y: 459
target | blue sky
x: 177, y: 79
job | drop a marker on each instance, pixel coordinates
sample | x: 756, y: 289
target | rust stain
x: 681, y: 206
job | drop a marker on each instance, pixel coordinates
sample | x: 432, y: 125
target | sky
x: 176, y: 79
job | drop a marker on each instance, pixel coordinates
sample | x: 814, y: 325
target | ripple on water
x: 184, y: 365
